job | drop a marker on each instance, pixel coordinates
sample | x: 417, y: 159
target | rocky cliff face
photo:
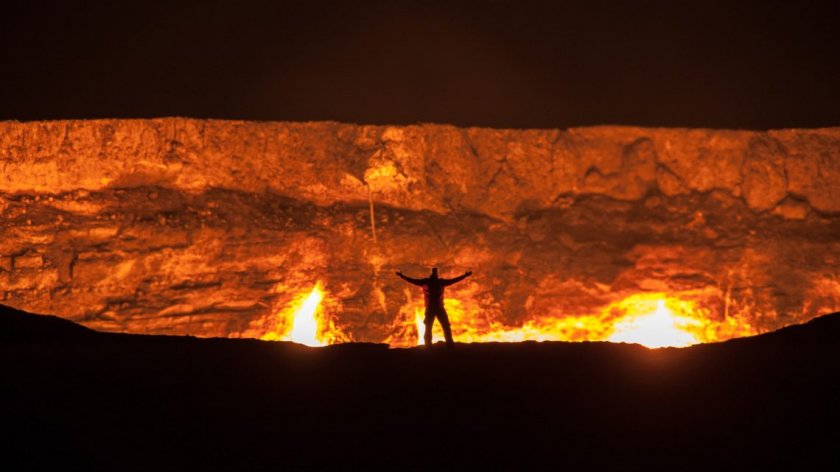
x: 211, y: 227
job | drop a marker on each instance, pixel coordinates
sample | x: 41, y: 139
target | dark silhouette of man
x: 433, y: 287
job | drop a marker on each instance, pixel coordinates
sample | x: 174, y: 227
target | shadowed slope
x: 17, y: 325
x: 134, y: 402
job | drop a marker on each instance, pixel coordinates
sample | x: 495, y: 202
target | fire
x: 651, y: 319
x: 421, y: 327
x: 658, y: 328
x: 306, y: 327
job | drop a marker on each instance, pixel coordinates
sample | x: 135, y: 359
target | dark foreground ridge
x: 75, y: 399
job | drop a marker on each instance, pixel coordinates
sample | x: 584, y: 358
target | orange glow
x: 650, y: 319
x: 421, y: 327
x: 660, y: 327
x: 304, y: 326
x: 654, y: 319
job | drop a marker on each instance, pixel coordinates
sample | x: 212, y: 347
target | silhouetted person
x: 433, y: 287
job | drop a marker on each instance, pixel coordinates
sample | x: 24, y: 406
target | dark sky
x: 722, y: 64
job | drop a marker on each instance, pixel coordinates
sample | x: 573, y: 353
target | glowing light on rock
x: 658, y: 328
x: 188, y: 239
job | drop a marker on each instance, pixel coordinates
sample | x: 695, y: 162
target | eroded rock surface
x: 209, y: 228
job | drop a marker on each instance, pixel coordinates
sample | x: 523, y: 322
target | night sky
x: 520, y: 64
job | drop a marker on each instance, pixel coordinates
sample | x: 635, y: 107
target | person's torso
x: 433, y: 293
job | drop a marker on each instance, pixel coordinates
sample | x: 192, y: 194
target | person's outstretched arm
x: 409, y: 279
x: 458, y: 279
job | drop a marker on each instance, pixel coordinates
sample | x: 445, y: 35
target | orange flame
x: 658, y: 328
x: 650, y: 319
x: 303, y: 324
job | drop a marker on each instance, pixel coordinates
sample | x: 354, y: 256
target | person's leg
x: 444, y: 323
x: 428, y: 322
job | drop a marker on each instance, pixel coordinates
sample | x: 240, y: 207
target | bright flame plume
x: 658, y: 328
x: 304, y: 326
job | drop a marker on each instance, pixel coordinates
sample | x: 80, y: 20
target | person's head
x: 434, y: 273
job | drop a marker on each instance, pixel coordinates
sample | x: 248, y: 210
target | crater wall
x: 210, y: 228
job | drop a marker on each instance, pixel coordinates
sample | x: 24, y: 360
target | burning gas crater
x: 653, y: 320
x: 292, y: 231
